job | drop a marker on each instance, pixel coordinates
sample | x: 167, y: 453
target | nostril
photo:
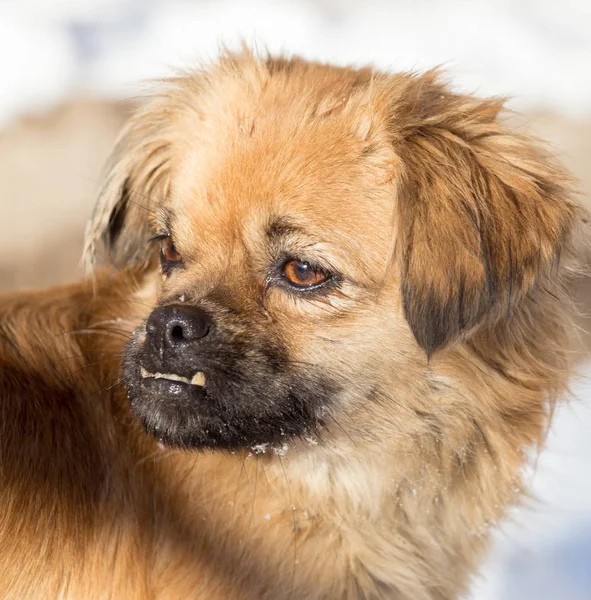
x: 177, y: 334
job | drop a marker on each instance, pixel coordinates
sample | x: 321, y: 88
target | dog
x: 333, y: 331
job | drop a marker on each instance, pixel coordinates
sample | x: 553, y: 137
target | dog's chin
x: 229, y: 417
x: 178, y: 414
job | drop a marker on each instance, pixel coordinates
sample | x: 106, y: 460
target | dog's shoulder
x: 59, y: 426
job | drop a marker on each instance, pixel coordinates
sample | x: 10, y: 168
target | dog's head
x: 322, y: 234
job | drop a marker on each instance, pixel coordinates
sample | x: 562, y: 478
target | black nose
x: 176, y: 324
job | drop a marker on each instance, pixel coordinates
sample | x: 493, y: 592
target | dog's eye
x: 301, y: 274
x: 168, y: 251
x: 169, y: 255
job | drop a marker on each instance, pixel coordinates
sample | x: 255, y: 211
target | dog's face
x: 274, y: 245
x: 321, y: 234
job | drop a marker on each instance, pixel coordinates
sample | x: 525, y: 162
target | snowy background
x: 537, y: 51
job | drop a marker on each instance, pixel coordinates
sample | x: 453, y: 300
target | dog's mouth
x: 198, y: 379
x: 224, y: 395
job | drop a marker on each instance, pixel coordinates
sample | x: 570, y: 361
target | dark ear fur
x: 484, y: 214
x: 137, y: 180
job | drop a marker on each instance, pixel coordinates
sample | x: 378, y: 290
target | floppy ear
x: 484, y: 214
x: 137, y: 180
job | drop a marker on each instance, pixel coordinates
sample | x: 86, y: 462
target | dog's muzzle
x: 196, y: 380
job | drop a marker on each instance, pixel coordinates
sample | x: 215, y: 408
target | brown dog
x: 360, y: 332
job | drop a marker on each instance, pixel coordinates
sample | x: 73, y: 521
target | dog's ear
x: 136, y: 181
x: 484, y: 215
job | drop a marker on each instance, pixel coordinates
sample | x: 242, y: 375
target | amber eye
x: 301, y: 274
x: 169, y: 255
x: 168, y: 251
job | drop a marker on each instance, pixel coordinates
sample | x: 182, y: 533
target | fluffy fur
x: 440, y: 350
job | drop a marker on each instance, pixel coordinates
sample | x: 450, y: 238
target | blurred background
x: 69, y: 73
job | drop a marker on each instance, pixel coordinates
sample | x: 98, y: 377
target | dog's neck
x: 377, y: 521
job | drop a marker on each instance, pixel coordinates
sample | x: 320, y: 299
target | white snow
x: 538, y: 51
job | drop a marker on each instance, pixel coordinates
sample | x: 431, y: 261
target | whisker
x: 254, y: 493
x: 118, y: 381
x: 90, y: 352
x: 338, y: 424
x: 129, y: 191
x: 233, y: 515
x: 295, y: 539
x: 114, y: 330
x: 148, y: 210
x: 150, y: 306
x: 189, y: 469
x: 103, y: 331
x: 158, y: 454
x: 115, y: 321
x: 92, y: 364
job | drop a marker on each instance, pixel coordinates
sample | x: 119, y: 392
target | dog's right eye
x: 169, y: 255
x: 168, y: 251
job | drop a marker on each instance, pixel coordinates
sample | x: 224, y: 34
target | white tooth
x: 144, y: 373
x: 171, y: 376
x: 198, y: 379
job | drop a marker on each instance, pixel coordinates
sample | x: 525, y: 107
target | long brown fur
x: 451, y: 333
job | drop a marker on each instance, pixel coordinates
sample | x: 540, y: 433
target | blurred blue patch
x: 562, y: 572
